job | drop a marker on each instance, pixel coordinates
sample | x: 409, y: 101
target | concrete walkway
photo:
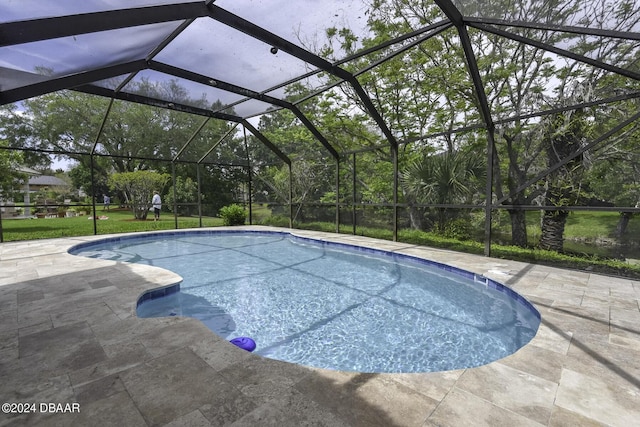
x: 69, y: 336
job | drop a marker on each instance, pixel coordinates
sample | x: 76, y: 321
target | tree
x: 186, y: 191
x: 10, y: 178
x: 443, y: 179
x: 134, y: 136
x: 566, y: 136
x: 428, y: 90
x: 95, y: 184
x: 137, y: 188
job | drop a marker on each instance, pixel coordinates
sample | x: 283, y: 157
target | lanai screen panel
x: 248, y: 107
x: 302, y: 22
x: 48, y: 59
x: 170, y: 88
x: 614, y: 51
x: 210, y: 48
x: 139, y: 136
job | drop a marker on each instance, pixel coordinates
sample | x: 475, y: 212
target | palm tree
x: 566, y: 136
x: 442, y: 179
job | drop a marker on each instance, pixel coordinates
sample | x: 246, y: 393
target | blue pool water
x: 329, y: 305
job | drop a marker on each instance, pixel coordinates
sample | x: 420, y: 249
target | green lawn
x: 119, y: 221
x: 581, y: 225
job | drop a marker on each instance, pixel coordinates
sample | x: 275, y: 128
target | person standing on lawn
x: 157, y: 204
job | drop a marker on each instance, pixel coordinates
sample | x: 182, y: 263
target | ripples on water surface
x: 329, y: 306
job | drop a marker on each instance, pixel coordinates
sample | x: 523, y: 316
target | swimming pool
x: 329, y: 305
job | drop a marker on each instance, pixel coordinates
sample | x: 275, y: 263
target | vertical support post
x: 199, y: 195
x: 246, y: 150
x: 337, y: 195
x: 290, y: 196
x: 353, y: 195
x: 394, y: 157
x: 93, y: 196
x: 175, y: 199
x: 250, y: 189
x: 27, y: 198
x: 488, y: 207
x: 1, y: 232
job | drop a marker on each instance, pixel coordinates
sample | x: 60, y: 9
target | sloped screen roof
x: 235, y: 59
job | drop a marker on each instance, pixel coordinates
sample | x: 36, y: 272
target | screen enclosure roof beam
x: 33, y: 30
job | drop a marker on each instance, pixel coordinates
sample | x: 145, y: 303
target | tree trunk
x: 552, y: 236
x: 623, y: 222
x: 518, y: 227
x: 415, y: 216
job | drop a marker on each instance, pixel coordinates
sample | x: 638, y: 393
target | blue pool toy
x: 244, y: 343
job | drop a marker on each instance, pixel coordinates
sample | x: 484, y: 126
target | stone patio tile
x: 461, y: 408
x: 631, y: 342
x: 8, y: 320
x: 563, y: 418
x: 402, y: 405
x: 511, y: 389
x: 367, y: 399
x: 614, y: 364
x: 192, y: 419
x: 600, y: 302
x: 291, y: 409
x: 624, y: 303
x: 538, y: 361
x: 32, y: 389
x: 597, y: 290
x: 172, y: 336
x: 99, y: 389
x: 263, y: 379
x: 218, y: 355
x: 26, y: 295
x: 130, y: 330
x: 625, y: 319
x: 62, y: 303
x: 116, y: 410
x: 62, y: 349
x: 598, y: 400
x: 131, y: 357
x: 93, y: 315
x: 558, y: 296
x: 226, y: 409
x: 578, y: 319
x: 8, y: 300
x: 435, y: 385
x: 553, y: 337
x: 9, y: 340
x: 38, y: 327
x: 176, y: 384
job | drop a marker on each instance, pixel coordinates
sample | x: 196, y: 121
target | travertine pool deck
x: 69, y: 334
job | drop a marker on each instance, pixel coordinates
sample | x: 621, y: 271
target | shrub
x: 276, y: 221
x: 233, y: 214
x: 457, y: 229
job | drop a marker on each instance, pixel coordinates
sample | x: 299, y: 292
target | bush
x: 233, y: 214
x: 457, y: 229
x: 276, y: 221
